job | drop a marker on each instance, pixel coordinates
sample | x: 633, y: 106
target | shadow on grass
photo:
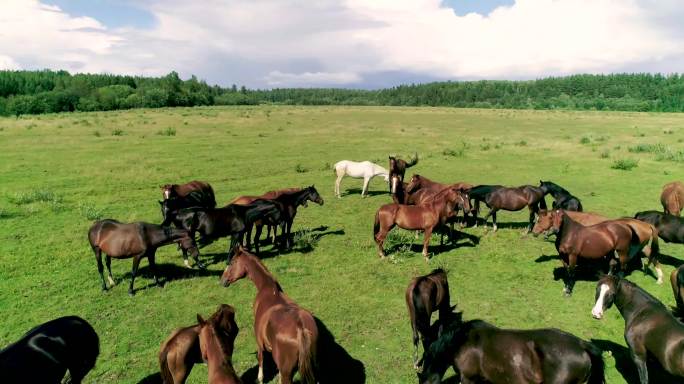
x: 153, y: 378
x: 670, y: 260
x: 357, y: 191
x: 625, y: 365
x: 304, y: 246
x: 166, y: 273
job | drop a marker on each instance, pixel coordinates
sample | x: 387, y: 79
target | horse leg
x: 364, y: 190
x: 288, y: 237
x: 136, y: 263
x: 260, y: 359
x: 100, y: 267
x: 249, y: 236
x: 337, y: 185
x: 153, y: 268
x: 257, y: 236
x: 533, y: 212
x: 380, y: 239
x: 108, y: 260
x: 570, y: 275
x: 426, y: 242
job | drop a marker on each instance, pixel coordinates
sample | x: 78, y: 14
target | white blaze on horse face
x: 597, y: 311
x: 166, y: 194
x: 395, y: 180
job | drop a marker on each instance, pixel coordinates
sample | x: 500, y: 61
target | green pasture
x: 58, y: 173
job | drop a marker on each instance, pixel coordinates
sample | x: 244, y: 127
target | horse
x: 135, y: 240
x: 545, y: 220
x: 670, y: 228
x: 231, y: 220
x: 425, y: 295
x: 398, y: 190
x: 481, y: 352
x: 602, y: 240
x: 182, y: 190
x: 650, y: 329
x: 424, y: 217
x: 358, y: 170
x: 289, y: 203
x: 270, y: 195
x: 677, y: 282
x: 45, y: 353
x: 672, y: 198
x: 398, y: 167
x: 420, y: 189
x: 562, y: 199
x: 498, y: 197
x: 216, y: 339
x: 282, y: 328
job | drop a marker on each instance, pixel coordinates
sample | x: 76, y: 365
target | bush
x: 625, y: 164
x: 585, y: 140
x: 305, y: 240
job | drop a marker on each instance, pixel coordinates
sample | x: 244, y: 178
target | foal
x: 282, y: 328
x: 425, y: 295
x: 135, y: 240
x: 216, y: 338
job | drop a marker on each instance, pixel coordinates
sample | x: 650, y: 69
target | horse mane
x: 553, y: 187
x: 642, y: 291
x: 481, y: 190
x: 451, y: 339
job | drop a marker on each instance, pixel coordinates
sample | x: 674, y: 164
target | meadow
x: 60, y: 172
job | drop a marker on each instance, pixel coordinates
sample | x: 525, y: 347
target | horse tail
x: 654, y: 257
x: 596, y: 373
x: 164, y: 370
x: 376, y: 224
x: 413, y: 161
x: 211, y: 196
x: 307, y: 355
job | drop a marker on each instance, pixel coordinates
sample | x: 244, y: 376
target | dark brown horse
x: 425, y: 295
x: 50, y: 350
x: 282, y: 328
x: 420, y: 189
x: 672, y: 198
x: 216, y: 338
x: 398, y: 167
x: 677, y: 282
x: 482, y: 353
x: 425, y: 217
x: 601, y: 241
x: 651, y: 331
x: 170, y: 191
x: 498, y: 197
x: 135, y: 240
x: 545, y: 220
x: 290, y: 202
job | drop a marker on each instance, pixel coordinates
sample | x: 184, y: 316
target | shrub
x: 585, y: 140
x: 170, y: 131
x: 90, y: 212
x: 301, y: 169
x: 648, y: 148
x: 670, y: 155
x: 305, y: 240
x: 604, y: 154
x: 624, y: 164
x: 97, y: 134
x: 117, y: 132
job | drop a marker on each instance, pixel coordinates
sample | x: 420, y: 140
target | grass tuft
x: 301, y: 169
x: 35, y: 196
x: 625, y: 164
x: 117, y: 132
x: 90, y: 212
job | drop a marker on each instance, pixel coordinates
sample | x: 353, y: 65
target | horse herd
x: 289, y: 335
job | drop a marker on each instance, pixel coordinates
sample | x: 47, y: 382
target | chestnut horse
x: 45, y: 353
x: 479, y: 352
x: 672, y: 198
x: 398, y: 167
x: 545, y: 220
x: 193, y: 194
x: 137, y: 240
x: 424, y: 217
x: 651, y: 331
x: 282, y: 328
x: 602, y: 240
x: 420, y: 189
x: 498, y: 197
x: 182, y: 190
x: 425, y: 295
x: 216, y: 338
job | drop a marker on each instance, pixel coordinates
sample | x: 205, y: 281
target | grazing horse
x: 562, y: 199
x: 425, y: 295
x: 545, y: 220
x: 282, y: 328
x: 650, y: 328
x: 216, y: 339
x: 181, y: 350
x: 398, y: 167
x: 670, y: 228
x: 364, y: 169
x: 424, y: 217
x: 677, y: 282
x: 170, y: 191
x: 137, y: 240
x: 45, y: 353
x: 483, y: 353
x: 498, y: 197
x: 622, y: 237
x: 270, y: 195
x: 672, y: 198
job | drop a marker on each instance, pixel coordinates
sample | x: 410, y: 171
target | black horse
x: 481, y: 352
x: 197, y: 198
x: 45, y: 353
x: 650, y: 329
x: 232, y: 220
x: 670, y: 228
x: 562, y: 199
x: 289, y: 203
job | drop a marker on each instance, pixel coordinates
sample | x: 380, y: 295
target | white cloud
x: 349, y: 42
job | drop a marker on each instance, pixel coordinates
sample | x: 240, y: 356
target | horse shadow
x: 334, y: 364
x: 545, y: 258
x: 168, y: 272
x: 670, y: 260
x: 303, y: 246
x: 625, y: 365
x: 357, y: 191
x: 153, y: 378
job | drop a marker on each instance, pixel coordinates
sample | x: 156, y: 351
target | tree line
x: 35, y: 92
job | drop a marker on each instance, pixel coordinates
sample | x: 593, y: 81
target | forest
x: 36, y: 92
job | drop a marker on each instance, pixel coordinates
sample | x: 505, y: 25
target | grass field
x: 60, y: 172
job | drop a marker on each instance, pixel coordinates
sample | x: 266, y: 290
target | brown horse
x: 398, y: 167
x: 601, y: 241
x: 182, y: 190
x: 424, y: 217
x: 282, y: 328
x: 498, y: 197
x: 137, y: 240
x: 181, y: 351
x: 216, y: 338
x: 677, y: 282
x: 425, y: 295
x: 545, y: 220
x: 420, y: 189
x: 672, y: 198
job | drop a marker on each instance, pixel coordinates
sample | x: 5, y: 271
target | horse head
x: 314, y: 196
x: 414, y: 184
x: 544, y: 222
x: 606, y: 290
x: 237, y: 267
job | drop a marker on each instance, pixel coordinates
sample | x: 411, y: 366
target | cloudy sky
x: 343, y: 43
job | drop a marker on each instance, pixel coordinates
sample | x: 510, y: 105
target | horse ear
x: 200, y: 320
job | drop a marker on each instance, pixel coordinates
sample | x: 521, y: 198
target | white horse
x: 364, y: 169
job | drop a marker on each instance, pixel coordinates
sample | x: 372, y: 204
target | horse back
x: 117, y: 239
x: 657, y: 331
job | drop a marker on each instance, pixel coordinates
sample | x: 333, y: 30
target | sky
x: 343, y: 43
